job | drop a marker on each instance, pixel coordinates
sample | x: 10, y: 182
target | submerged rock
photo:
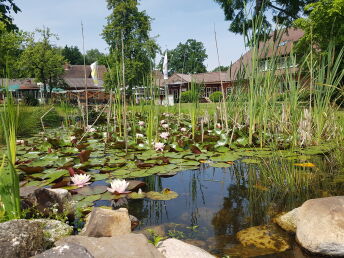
x: 124, y: 246
x: 288, y: 220
x: 66, y: 251
x: 107, y: 223
x: 21, y: 238
x: 174, y: 248
x: 264, y: 237
x: 320, y: 226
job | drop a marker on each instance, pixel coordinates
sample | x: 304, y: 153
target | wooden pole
x: 124, y: 99
x: 86, y: 88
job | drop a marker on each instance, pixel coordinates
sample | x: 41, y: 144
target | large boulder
x: 21, y: 238
x: 54, y: 229
x: 174, y: 248
x: 125, y: 246
x: 66, y: 251
x: 107, y: 223
x: 288, y: 220
x: 320, y: 226
x: 47, y: 201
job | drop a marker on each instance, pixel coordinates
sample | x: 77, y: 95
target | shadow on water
x: 216, y: 203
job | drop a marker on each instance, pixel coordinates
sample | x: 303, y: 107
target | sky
x: 173, y: 22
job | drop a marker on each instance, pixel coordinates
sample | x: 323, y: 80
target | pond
x: 216, y: 203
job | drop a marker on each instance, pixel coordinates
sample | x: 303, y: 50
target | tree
x: 221, y: 68
x: 324, y: 24
x: 42, y: 60
x: 6, y: 7
x: 11, y: 46
x: 283, y: 12
x: 94, y: 55
x: 132, y: 26
x: 73, y: 55
x: 187, y: 58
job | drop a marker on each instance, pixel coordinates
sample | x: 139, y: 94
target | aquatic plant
x: 81, y: 180
x: 159, y: 146
x: 164, y: 135
x: 118, y: 186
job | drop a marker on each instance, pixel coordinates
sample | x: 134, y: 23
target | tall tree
x: 283, y: 12
x: 221, y: 68
x: 11, y: 46
x: 6, y: 8
x: 133, y: 26
x: 187, y: 58
x: 93, y: 55
x: 42, y: 60
x: 73, y: 55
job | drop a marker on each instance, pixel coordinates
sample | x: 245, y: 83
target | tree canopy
x: 132, y: 26
x: 221, y: 68
x: 42, y: 60
x: 187, y: 58
x: 242, y: 13
x: 94, y: 55
x: 6, y: 8
x: 73, y: 55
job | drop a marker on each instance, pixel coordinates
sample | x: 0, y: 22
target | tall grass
x: 9, y: 181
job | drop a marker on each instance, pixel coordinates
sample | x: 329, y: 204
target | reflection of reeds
x: 9, y: 182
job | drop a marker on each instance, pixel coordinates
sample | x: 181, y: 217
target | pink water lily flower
x: 119, y: 186
x: 164, y: 135
x: 80, y: 180
x: 183, y: 129
x: 159, y: 146
x: 141, y: 123
x: 165, y: 126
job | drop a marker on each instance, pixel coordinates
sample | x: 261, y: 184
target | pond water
x: 216, y: 203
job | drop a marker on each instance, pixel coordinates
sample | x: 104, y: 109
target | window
x: 209, y: 90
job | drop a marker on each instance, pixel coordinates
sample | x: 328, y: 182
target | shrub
x: 186, y: 97
x: 30, y: 100
x: 216, y: 96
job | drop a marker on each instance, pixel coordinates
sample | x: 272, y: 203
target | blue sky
x: 174, y: 21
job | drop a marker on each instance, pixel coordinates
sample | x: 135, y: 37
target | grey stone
x: 68, y: 250
x: 21, y: 238
x: 125, y: 246
x: 320, y: 226
x: 54, y: 229
x: 107, y: 223
x: 288, y: 220
x: 174, y: 248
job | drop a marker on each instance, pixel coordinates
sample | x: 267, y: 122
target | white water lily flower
x: 118, y: 186
x: 218, y: 125
x: 159, y: 146
x: 164, y: 135
x: 141, y: 123
x: 21, y: 142
x: 140, y: 191
x: 165, y: 126
x: 72, y: 138
x: 162, y: 122
x: 183, y: 129
x: 80, y: 180
x: 90, y: 129
x: 139, y: 135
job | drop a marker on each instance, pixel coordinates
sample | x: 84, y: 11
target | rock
x: 107, y: 223
x: 25, y: 191
x: 49, y: 201
x: 66, y: 251
x: 264, y: 237
x: 54, y: 229
x: 200, y: 243
x: 134, y: 222
x: 157, y: 230
x: 288, y: 220
x: 174, y: 248
x: 320, y: 226
x: 21, y: 238
x: 124, y: 246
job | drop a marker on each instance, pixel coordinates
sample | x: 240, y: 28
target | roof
x: 19, y: 84
x: 79, y: 83
x: 279, y: 45
x: 206, y: 78
x: 78, y: 71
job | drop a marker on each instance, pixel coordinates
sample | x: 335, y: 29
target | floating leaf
x: 92, y: 190
x: 220, y: 165
x: 135, y: 195
x: 164, y: 195
x: 307, y: 165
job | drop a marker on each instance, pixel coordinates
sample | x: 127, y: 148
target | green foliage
x: 10, y: 48
x: 238, y: 12
x: 73, y: 55
x: 6, y: 7
x: 221, y: 68
x: 324, y: 24
x: 216, y: 96
x: 186, y: 58
x: 132, y: 26
x: 43, y: 61
x: 30, y: 100
x: 94, y: 55
x: 186, y: 97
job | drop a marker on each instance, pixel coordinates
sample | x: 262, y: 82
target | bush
x: 186, y: 97
x: 30, y: 100
x: 216, y: 96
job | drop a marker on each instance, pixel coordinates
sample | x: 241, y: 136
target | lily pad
x: 220, y: 165
x: 92, y: 190
x: 164, y: 195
